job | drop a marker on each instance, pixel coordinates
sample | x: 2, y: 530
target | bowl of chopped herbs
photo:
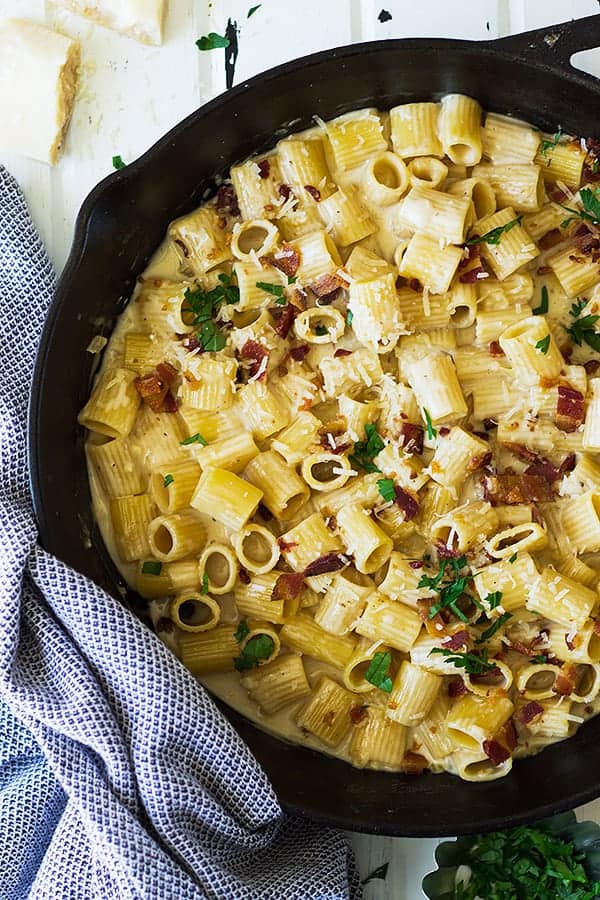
x: 553, y: 859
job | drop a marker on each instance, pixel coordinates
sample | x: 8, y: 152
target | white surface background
x: 131, y: 94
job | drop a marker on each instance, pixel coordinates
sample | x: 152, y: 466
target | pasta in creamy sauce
x: 344, y: 438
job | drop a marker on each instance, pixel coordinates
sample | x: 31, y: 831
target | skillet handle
x: 556, y: 44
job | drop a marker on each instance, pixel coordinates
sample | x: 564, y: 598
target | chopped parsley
x: 364, y: 451
x: 349, y: 317
x: 118, y: 163
x: 167, y: 480
x: 512, y: 558
x: 491, y: 631
x: 495, y: 235
x: 550, y: 144
x: 470, y: 662
x: 493, y: 600
x: 320, y: 330
x: 451, y: 590
x: 431, y: 432
x: 212, y: 41
x: 385, y: 487
x: 204, y: 588
x: 539, y: 659
x: 590, y: 201
x: 379, y: 873
x: 542, y: 309
x: 259, y: 647
x: 378, y: 672
x: 543, y: 344
x: 203, y: 305
x: 524, y: 862
x: 275, y: 289
x: 253, y: 9
x: 583, y: 329
x: 151, y: 567
x: 195, y: 439
x: 242, y: 631
x: 292, y: 279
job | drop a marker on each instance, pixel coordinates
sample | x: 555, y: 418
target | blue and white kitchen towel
x: 119, y: 778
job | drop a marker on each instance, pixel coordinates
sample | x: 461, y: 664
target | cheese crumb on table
x: 139, y: 19
x: 38, y: 81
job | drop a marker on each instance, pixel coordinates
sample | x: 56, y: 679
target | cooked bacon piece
x: 557, y: 195
x: 550, y: 239
x: 284, y: 546
x: 407, y: 503
x: 243, y: 576
x: 500, y: 747
x: 457, y: 688
x: 510, y: 490
x: 587, y: 242
x: 288, y: 586
x: 495, y: 349
x: 532, y: 710
x: 227, y: 201
x: 411, y: 438
x: 313, y: 191
x: 298, y: 353
x: 342, y: 352
x: 457, y: 640
x: 478, y: 462
x: 444, y: 431
x: 522, y: 452
x: 284, y: 319
x: 358, y: 713
x: 264, y: 168
x: 414, y: 763
x: 570, y: 408
x: 285, y: 191
x: 564, y: 683
x: 190, y: 342
x: 331, y: 562
x: 416, y: 564
x: 169, y: 403
x: 154, y: 388
x: 591, y: 366
x: 326, y: 287
x: 473, y: 275
x: 167, y: 373
x: 256, y: 354
x: 445, y: 552
x: 287, y: 260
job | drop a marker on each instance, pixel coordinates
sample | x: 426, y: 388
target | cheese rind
x: 38, y: 82
x: 139, y: 19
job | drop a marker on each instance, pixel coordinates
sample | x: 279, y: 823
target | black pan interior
x: 120, y: 225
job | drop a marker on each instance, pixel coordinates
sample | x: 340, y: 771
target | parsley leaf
x: 292, y: 279
x: 252, y: 10
x: 450, y: 591
x: 167, y: 480
x: 364, y: 451
x: 550, y: 144
x: 380, y: 873
x: 512, y: 558
x: 378, y: 672
x: 543, y: 344
x: 195, y: 439
x: 489, y: 632
x: 494, y: 600
x: 349, y: 317
x: 204, y: 588
x: 542, y: 309
x: 386, y: 489
x: 212, y: 41
x: 583, y: 329
x: 495, y: 235
x: 538, y: 660
x: 320, y: 330
x: 590, y: 201
x: 201, y: 306
x: 242, y: 631
x: 118, y: 163
x: 431, y: 432
x: 259, y: 647
x: 275, y: 289
x: 151, y: 567
x: 470, y: 662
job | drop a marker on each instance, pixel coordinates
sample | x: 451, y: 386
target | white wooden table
x: 130, y: 95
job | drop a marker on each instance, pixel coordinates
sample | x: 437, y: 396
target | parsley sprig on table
x: 364, y: 451
x: 203, y: 306
x: 590, y: 201
x: 525, y: 864
x: 582, y: 328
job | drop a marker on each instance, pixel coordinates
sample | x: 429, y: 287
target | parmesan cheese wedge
x: 139, y: 19
x: 38, y: 80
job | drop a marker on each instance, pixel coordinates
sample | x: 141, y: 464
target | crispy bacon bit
x: 288, y: 586
x: 416, y: 564
x: 264, y: 168
x: 164, y: 624
x: 167, y: 373
x: 473, y: 275
x: 190, y: 343
x: 358, y: 713
x: 227, y: 201
x: 243, y: 576
x: 596, y: 628
x: 414, y: 764
x: 256, y: 354
x: 444, y: 431
x: 531, y: 711
x: 342, y: 352
x: 550, y: 239
x: 494, y: 750
x: 570, y: 408
x: 154, y: 388
x: 522, y: 452
x: 285, y: 546
x: 287, y: 260
x: 495, y: 349
x: 298, y: 353
x: 457, y: 688
x: 313, y: 191
x: 331, y: 562
x: 591, y: 366
x: 299, y: 298
x: 284, y: 319
x: 557, y: 195
x: 407, y: 503
x: 326, y: 287
x: 457, y: 640
x: 412, y: 437
x: 587, y: 242
x: 415, y: 285
x: 169, y: 403
x: 285, y: 191
x: 569, y: 641
x: 445, y: 552
x: 478, y: 462
x: 515, y: 489
x: 564, y: 683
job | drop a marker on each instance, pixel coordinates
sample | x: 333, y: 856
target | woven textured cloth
x: 119, y: 778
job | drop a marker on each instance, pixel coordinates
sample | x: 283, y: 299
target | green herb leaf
x: 431, y: 432
x: 212, y: 41
x: 277, y: 290
x: 550, y: 144
x: 543, y: 344
x: 292, y: 279
x: 495, y: 235
x: 167, y: 480
x: 195, y: 439
x: 380, y: 873
x: 542, y: 309
x: 320, y: 330
x: 512, y: 558
x: 582, y: 329
x: 204, y: 588
x: 378, y: 672
x: 470, y: 662
x: 364, y: 451
x: 201, y: 306
x: 151, y: 567
x: 451, y: 590
x: 494, y: 600
x: 259, y: 647
x: 489, y: 632
x: 242, y: 631
x: 386, y: 489
x: 118, y: 163
x: 539, y: 659
x: 590, y: 201
x: 349, y: 317
x: 253, y: 9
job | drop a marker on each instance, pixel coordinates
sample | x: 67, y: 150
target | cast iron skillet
x: 122, y: 222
